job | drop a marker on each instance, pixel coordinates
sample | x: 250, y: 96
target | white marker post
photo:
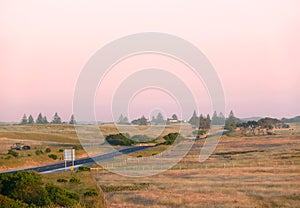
x: 69, y: 155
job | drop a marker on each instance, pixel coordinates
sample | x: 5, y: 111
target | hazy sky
x: 253, y: 45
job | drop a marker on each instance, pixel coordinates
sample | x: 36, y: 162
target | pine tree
x: 159, y: 119
x: 72, y: 120
x: 30, y: 120
x: 56, y: 119
x: 143, y: 120
x: 39, y: 119
x: 45, y: 121
x: 231, y: 115
x: 24, y: 119
x: 194, y: 120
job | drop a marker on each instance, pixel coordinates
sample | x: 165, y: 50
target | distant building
x: 172, y: 121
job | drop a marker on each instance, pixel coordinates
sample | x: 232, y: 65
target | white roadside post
x: 69, y: 155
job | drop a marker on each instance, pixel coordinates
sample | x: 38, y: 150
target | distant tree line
x: 201, y: 122
x: 43, y: 119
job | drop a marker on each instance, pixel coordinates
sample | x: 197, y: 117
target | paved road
x: 57, y: 167
x: 83, y: 161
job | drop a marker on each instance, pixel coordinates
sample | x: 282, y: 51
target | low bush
x: 13, y: 153
x: 39, y: 152
x: 92, y: 192
x: 171, y: 137
x: 53, y: 156
x: 119, y: 139
x: 74, y: 180
x: 6, y: 202
x: 62, y: 180
x: 84, y: 168
x: 48, y: 150
x: 60, y: 150
x: 62, y: 197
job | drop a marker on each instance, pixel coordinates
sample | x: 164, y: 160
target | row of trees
x: 204, y: 123
x: 200, y: 121
x: 158, y: 119
x: 43, y: 119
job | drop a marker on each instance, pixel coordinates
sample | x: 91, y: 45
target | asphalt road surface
x: 57, y: 167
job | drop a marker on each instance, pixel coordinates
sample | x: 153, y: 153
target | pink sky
x: 253, y: 45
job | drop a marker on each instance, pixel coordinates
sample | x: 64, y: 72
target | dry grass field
x: 244, y: 171
x: 256, y: 171
x: 55, y: 137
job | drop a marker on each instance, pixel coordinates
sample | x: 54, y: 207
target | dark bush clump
x: 62, y: 197
x: 13, y: 153
x: 48, y: 150
x: 119, y: 139
x: 92, y: 192
x: 62, y: 180
x: 39, y: 152
x: 74, y: 180
x: 84, y: 168
x: 53, y: 156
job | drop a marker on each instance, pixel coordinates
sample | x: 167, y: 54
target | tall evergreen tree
x: 30, y: 120
x: 56, y: 119
x: 72, y: 120
x: 143, y: 120
x: 24, y: 119
x: 39, y: 119
x: 45, y: 121
x: 159, y: 118
x: 194, y: 120
x: 231, y: 115
x: 123, y: 119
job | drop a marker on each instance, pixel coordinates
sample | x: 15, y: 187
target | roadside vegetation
x: 31, y: 189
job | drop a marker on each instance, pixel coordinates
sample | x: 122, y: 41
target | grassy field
x: 85, y: 184
x: 244, y: 171
x: 256, y: 171
x: 55, y: 137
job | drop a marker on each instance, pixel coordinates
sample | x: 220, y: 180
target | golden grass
x: 256, y: 171
x: 86, y: 183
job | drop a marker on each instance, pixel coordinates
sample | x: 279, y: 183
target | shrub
x: 77, y: 147
x: 29, y: 155
x: 60, y: 150
x: 74, y: 180
x: 8, y: 157
x: 62, y: 197
x: 119, y: 139
x: 84, y: 168
x: 171, y: 137
x: 139, y: 156
x: 6, y: 202
x: 39, y: 152
x: 62, y: 180
x: 53, y: 156
x: 48, y: 150
x: 92, y: 192
x: 24, y: 186
x: 13, y: 153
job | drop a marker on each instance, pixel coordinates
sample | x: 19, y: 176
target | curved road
x: 83, y: 161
